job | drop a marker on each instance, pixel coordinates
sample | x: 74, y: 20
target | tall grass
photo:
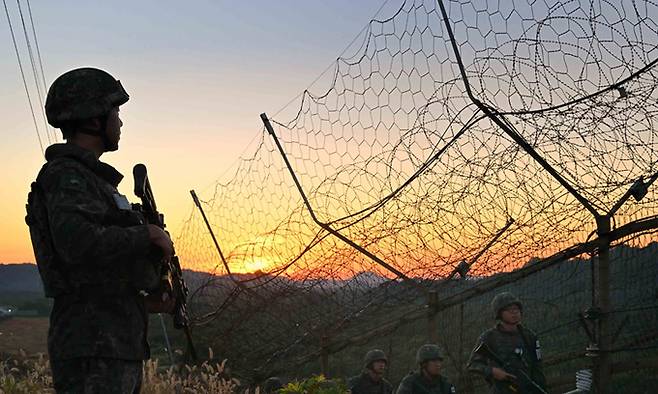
x: 23, y: 374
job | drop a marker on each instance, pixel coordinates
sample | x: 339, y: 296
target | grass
x: 23, y: 374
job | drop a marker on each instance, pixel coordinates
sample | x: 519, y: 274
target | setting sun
x: 250, y: 266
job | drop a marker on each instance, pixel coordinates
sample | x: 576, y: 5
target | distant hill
x: 24, y: 278
x: 20, y: 278
x: 20, y: 284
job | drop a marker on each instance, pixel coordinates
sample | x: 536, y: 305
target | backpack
x: 48, y: 262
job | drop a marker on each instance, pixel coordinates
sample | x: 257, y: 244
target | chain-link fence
x: 509, y: 142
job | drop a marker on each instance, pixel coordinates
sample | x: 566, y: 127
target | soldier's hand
x: 161, y: 239
x: 160, y: 303
x: 500, y: 374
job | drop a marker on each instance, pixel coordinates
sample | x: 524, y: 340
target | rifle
x: 484, y: 350
x: 172, y: 275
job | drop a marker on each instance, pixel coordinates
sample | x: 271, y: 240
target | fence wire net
x: 397, y: 157
x: 552, y: 299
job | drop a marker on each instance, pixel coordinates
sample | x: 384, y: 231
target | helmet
x: 272, y: 384
x: 502, y: 301
x: 428, y: 352
x: 330, y: 386
x: 83, y: 93
x: 374, y: 355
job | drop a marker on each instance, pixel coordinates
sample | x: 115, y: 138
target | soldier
x: 371, y: 380
x: 428, y: 378
x: 508, y: 355
x: 88, y: 243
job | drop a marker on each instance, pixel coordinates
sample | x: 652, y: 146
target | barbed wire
x: 422, y: 157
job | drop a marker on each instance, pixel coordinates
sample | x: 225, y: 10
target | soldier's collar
x: 430, y: 380
x: 366, y: 374
x: 87, y: 158
x: 499, y: 327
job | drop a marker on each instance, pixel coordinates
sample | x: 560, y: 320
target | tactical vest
x: 420, y: 387
x: 142, y: 275
x: 530, y: 346
x: 362, y: 384
x: 531, y: 353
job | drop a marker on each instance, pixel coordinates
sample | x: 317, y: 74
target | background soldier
x: 428, y: 379
x: 371, y: 380
x: 88, y: 242
x: 508, y: 355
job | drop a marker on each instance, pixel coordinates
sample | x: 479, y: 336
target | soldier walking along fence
x: 464, y: 148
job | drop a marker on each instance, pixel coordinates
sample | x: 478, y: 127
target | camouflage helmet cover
x: 374, y: 355
x: 428, y: 352
x: 83, y: 93
x: 272, y: 385
x: 502, y: 301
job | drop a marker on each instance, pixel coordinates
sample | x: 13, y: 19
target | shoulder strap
x: 528, y: 343
x: 449, y: 388
x: 486, y: 338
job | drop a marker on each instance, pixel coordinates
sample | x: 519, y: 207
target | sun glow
x: 250, y: 266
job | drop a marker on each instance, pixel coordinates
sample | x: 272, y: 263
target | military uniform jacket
x: 416, y: 383
x: 96, y: 313
x: 363, y: 384
x: 519, y: 351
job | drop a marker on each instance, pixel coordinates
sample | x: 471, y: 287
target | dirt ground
x: 27, y: 333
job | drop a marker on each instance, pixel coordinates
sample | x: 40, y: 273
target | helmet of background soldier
x: 428, y: 352
x: 502, y: 301
x: 83, y: 93
x: 374, y: 355
x: 272, y: 385
x: 331, y: 386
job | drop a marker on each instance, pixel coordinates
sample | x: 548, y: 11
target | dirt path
x: 27, y: 333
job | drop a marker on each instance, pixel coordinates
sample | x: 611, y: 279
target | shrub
x: 315, y: 385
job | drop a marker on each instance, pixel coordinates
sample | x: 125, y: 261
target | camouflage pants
x: 89, y: 375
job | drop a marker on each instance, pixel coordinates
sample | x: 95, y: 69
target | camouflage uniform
x: 363, y: 383
x: 88, y: 244
x: 417, y: 383
x: 519, y: 351
x: 97, y: 375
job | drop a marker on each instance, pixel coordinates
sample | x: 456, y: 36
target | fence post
x: 601, y: 301
x: 391, y: 357
x: 324, y: 356
x: 464, y: 381
x: 432, y: 327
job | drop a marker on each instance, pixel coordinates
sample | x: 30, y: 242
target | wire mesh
x: 400, y: 157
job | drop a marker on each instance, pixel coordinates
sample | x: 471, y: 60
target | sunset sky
x: 198, y: 74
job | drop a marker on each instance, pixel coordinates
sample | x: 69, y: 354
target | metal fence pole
x: 432, y: 324
x: 324, y: 356
x: 601, y: 302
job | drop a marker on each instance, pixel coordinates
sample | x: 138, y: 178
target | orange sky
x: 198, y: 79
x: 196, y: 90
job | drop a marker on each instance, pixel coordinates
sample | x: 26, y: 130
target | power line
x: 36, y: 44
x: 34, y: 70
x: 20, y: 66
